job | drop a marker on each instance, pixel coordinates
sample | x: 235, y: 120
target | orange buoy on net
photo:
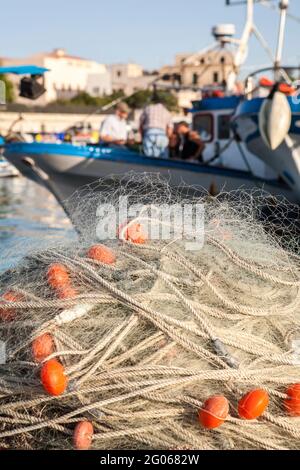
x: 58, y: 276
x: 42, y: 347
x: 68, y: 292
x: 134, y: 233
x: 53, y: 377
x: 102, y: 253
x: 292, y: 403
x: 253, y: 404
x: 214, y: 412
x: 8, y: 314
x: 83, y: 435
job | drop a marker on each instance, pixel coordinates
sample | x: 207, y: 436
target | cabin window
x: 203, y: 124
x: 224, y: 127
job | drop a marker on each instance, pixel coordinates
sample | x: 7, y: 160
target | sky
x: 149, y: 32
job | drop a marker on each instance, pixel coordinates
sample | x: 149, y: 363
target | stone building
x: 68, y: 75
x: 201, y: 70
x: 130, y: 78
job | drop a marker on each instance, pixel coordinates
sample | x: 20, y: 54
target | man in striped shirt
x: 156, y: 127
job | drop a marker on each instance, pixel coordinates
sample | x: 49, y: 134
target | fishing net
x: 141, y: 331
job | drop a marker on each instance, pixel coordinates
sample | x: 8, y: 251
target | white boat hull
x: 70, y: 168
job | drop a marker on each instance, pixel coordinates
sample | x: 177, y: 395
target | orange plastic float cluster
x: 102, y: 253
x: 133, y: 233
x: 216, y: 409
x: 59, y: 279
x: 8, y: 314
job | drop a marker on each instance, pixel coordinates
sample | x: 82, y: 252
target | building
x: 67, y: 77
x: 201, y: 70
x: 130, y: 78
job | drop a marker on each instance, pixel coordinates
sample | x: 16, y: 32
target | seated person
x: 114, y: 127
x: 186, y: 144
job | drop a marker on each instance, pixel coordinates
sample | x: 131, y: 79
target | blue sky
x: 149, y: 32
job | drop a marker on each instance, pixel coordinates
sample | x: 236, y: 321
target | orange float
x: 67, y: 292
x: 58, y: 276
x: 53, y: 377
x: 292, y: 403
x: 8, y: 314
x: 83, y: 435
x: 133, y: 233
x: 253, y: 404
x: 102, y: 253
x: 42, y: 347
x: 214, y: 412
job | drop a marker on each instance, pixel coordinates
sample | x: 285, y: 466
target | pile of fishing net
x: 141, y: 343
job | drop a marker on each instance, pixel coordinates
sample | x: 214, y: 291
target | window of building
x: 222, y: 60
x: 216, y: 77
x: 202, y: 61
x: 195, y: 79
x: 203, y: 124
x: 224, y: 127
x: 119, y: 73
x: 96, y: 90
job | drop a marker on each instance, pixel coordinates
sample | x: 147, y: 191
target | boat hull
x: 284, y: 160
x: 70, y: 167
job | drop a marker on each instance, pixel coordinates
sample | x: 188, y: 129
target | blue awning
x: 24, y: 70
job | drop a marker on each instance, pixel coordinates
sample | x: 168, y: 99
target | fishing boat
x: 270, y: 129
x: 228, y: 164
x: 269, y: 125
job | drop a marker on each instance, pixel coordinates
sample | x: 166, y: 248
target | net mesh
x: 148, y: 334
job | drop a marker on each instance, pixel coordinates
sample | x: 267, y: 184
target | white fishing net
x: 146, y: 335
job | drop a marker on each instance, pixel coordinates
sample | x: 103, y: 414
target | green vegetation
x: 10, y: 96
x: 137, y: 101
x: 84, y: 99
x: 143, y: 97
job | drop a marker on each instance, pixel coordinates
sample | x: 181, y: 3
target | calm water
x: 29, y: 217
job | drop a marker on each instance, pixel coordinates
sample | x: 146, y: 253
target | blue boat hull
x: 69, y: 167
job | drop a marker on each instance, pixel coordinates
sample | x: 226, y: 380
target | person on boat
x: 114, y: 127
x: 186, y: 144
x: 156, y: 127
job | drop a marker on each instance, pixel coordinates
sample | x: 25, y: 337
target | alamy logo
x: 165, y: 222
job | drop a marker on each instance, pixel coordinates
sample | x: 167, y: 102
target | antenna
x: 233, y: 3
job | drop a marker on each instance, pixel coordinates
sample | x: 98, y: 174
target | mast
x: 283, y: 6
x: 242, y: 51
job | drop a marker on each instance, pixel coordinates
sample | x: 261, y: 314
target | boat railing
x: 267, y: 78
